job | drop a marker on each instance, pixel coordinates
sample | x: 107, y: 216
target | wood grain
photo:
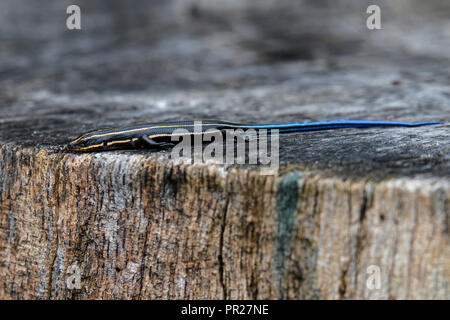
x: 138, y: 225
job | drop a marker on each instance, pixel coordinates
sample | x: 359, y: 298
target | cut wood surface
x: 346, y: 207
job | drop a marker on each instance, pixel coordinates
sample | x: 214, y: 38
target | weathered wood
x: 141, y: 226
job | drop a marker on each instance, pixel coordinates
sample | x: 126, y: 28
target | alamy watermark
x: 73, y: 21
x: 73, y: 281
x: 373, y: 281
x: 373, y: 21
x: 228, y: 146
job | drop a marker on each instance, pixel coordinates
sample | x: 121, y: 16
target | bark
x: 345, y: 206
x: 144, y: 228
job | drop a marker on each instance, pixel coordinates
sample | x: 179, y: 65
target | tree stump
x: 350, y: 214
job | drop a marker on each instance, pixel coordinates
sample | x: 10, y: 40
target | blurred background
x: 129, y: 52
x: 159, y: 45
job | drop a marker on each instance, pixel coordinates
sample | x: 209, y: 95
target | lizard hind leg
x: 152, y: 144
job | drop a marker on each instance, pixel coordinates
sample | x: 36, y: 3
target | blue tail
x: 333, y: 124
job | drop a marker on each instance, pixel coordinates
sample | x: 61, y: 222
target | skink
x: 159, y: 134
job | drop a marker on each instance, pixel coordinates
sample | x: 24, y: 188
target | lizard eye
x: 76, y: 144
